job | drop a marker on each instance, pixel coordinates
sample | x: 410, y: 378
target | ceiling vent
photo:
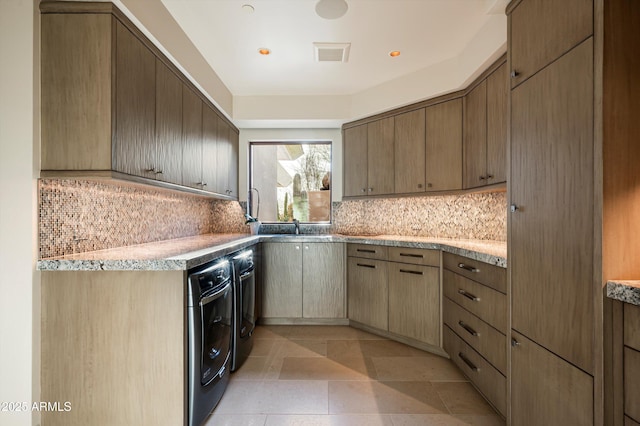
x: 332, y: 52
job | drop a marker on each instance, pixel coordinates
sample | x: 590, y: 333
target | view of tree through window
x: 291, y: 180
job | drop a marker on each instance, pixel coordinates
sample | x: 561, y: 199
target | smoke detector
x: 331, y: 52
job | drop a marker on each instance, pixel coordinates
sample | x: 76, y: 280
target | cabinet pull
x: 364, y: 190
x: 365, y: 251
x: 514, y: 208
x: 469, y: 330
x: 515, y: 343
x: 151, y: 170
x: 468, y: 268
x: 419, y: 256
x: 364, y: 265
x: 468, y: 362
x: 489, y: 177
x: 482, y: 177
x: 370, y: 189
x: 468, y: 295
x: 407, y: 271
x: 159, y: 172
x: 514, y: 74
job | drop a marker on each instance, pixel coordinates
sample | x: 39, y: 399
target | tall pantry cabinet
x: 560, y: 181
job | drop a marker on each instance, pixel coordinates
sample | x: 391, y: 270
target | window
x: 291, y: 180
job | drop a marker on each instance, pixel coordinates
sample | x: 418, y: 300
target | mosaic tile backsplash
x: 78, y: 216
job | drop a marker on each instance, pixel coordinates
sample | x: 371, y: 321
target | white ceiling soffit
x: 432, y: 35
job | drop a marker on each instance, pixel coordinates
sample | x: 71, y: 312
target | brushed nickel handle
x: 370, y: 189
x: 515, y: 343
x: 364, y: 190
x: 468, y: 268
x: 489, y: 177
x: 514, y: 208
x: 514, y: 74
x: 408, y: 271
x: 482, y: 178
x: 468, y: 362
x: 364, y: 265
x: 468, y: 295
x: 204, y: 184
x: 468, y: 329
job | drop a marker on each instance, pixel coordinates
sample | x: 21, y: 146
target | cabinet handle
x: 297, y: 247
x: 407, y: 271
x: 420, y: 256
x: 468, y: 268
x: 429, y: 185
x: 482, y: 178
x: 306, y: 247
x: 514, y: 74
x: 370, y: 189
x: 364, y: 265
x: 366, y: 251
x: 514, y: 208
x: 468, y: 295
x: 159, y: 172
x: 151, y: 170
x: 489, y: 177
x: 364, y: 190
x: 468, y: 362
x: 204, y: 184
x: 515, y: 343
x: 419, y: 185
x: 469, y: 330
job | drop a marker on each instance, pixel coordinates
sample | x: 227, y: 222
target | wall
x: 19, y: 166
x: 80, y: 216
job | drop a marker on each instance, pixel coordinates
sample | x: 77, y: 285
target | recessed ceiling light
x: 394, y: 53
x: 264, y: 51
x: 247, y: 8
x: 331, y: 9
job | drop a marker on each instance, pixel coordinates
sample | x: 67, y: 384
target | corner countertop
x: 189, y: 252
x: 624, y: 291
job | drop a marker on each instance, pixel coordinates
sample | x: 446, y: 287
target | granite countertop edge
x: 627, y: 291
x: 142, y: 258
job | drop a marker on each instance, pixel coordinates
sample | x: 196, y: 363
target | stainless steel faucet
x: 296, y: 223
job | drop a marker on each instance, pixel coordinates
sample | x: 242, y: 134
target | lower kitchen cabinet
x: 368, y: 292
x: 545, y: 389
x: 414, y: 301
x: 303, y: 280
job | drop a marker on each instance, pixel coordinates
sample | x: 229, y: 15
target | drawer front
x: 368, y: 251
x: 628, y: 421
x: 484, y: 302
x: 632, y: 326
x: 632, y: 383
x: 415, y: 256
x: 489, y: 381
x: 485, y: 339
x: 489, y: 275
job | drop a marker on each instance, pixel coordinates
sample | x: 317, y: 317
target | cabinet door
x: 543, y: 30
x: 168, y: 166
x: 233, y: 163
x: 551, y: 247
x: 282, y: 284
x: 409, y: 151
x: 367, y: 292
x: 323, y: 280
x: 475, y: 137
x: 134, y: 145
x: 191, y: 139
x: 224, y: 154
x: 546, y: 390
x: 380, y: 161
x: 209, y: 148
x: 355, y: 161
x: 444, y: 146
x: 414, y: 302
x: 497, y: 93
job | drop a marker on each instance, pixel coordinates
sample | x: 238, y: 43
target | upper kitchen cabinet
x: 227, y: 164
x: 112, y: 105
x: 355, y: 161
x: 409, y: 152
x: 485, y: 131
x: 541, y: 31
x: 444, y: 146
x: 380, y: 142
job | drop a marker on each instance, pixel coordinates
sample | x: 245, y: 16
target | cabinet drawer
x: 485, y: 339
x: 415, y: 256
x: 367, y: 250
x: 632, y: 383
x: 485, y: 303
x: 541, y: 31
x: 632, y: 326
x: 628, y: 421
x: 489, y: 275
x: 489, y: 381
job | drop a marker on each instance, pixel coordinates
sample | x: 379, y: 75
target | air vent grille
x: 331, y: 52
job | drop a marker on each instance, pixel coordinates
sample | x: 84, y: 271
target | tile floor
x: 323, y: 375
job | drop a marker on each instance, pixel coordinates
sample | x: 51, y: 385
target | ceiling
x: 425, y: 31
x: 444, y: 45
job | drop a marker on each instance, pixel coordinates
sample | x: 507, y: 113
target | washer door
x: 216, y: 314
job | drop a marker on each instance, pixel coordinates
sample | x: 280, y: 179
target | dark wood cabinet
x: 168, y: 163
x: 210, y: 123
x: 192, y: 140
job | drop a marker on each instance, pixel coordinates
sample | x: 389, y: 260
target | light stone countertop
x: 189, y: 252
x: 624, y: 291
